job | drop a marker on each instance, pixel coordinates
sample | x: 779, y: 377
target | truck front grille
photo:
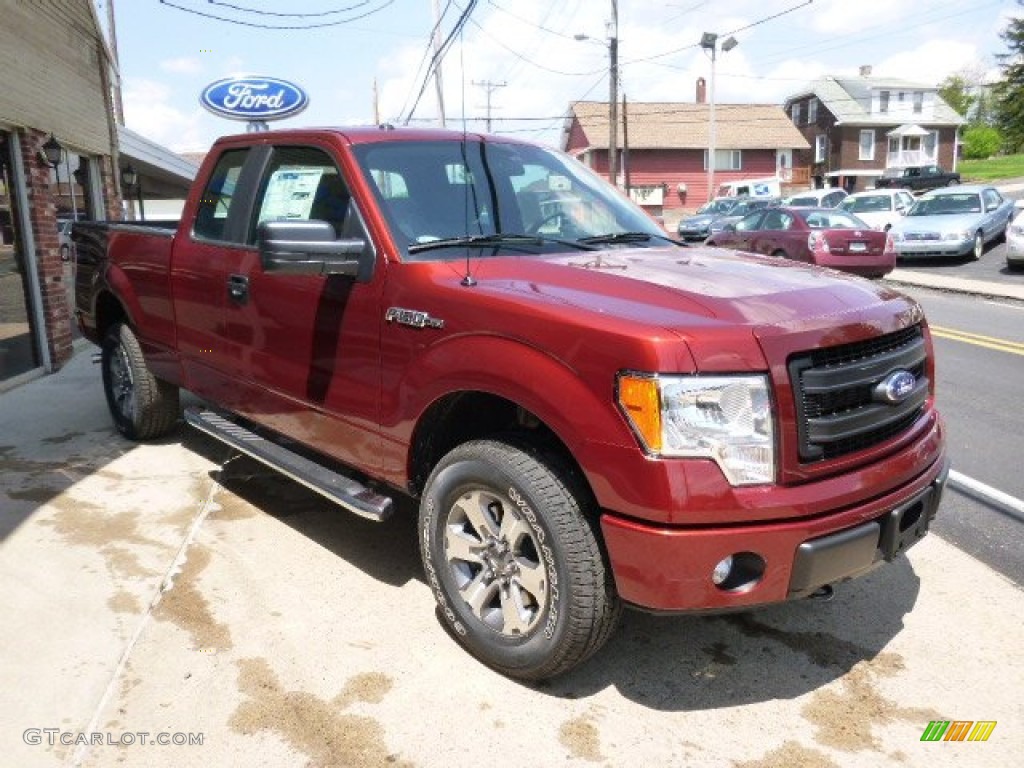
x: 840, y: 393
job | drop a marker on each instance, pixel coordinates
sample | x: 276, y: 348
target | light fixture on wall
x: 129, y: 176
x: 51, y: 152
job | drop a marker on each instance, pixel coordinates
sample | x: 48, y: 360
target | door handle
x: 238, y: 289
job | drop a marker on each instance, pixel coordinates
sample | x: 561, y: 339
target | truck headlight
x: 725, y: 418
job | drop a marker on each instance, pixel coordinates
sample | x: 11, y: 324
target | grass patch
x: 993, y: 168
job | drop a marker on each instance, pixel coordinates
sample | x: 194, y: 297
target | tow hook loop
x: 824, y: 594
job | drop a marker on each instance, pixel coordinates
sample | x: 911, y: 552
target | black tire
x: 952, y: 183
x: 544, y: 596
x: 143, y: 406
x: 779, y: 254
x: 977, y: 247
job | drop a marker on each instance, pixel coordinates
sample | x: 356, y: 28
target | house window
x: 796, y: 113
x: 930, y: 145
x: 726, y: 160
x: 883, y: 102
x: 918, y: 102
x: 867, y: 145
x: 820, y: 142
x: 812, y: 111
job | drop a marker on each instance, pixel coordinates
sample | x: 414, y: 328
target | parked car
x: 745, y: 207
x: 696, y: 227
x: 880, y: 208
x: 829, y: 197
x: 919, y: 178
x: 770, y: 186
x: 823, y: 236
x: 1015, y: 240
x: 958, y: 221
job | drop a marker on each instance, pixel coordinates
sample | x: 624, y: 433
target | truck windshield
x: 513, y: 198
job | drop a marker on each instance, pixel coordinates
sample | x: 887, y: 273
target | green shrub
x: 981, y: 141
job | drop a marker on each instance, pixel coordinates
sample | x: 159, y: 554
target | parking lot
x: 164, y: 590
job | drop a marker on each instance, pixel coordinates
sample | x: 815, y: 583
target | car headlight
x: 724, y: 418
x: 965, y: 235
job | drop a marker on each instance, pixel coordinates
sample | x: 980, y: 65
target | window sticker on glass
x: 559, y: 183
x: 290, y: 193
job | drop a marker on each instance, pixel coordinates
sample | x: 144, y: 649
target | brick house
x: 857, y: 127
x: 666, y: 147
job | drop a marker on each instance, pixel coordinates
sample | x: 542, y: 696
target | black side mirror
x: 308, y: 248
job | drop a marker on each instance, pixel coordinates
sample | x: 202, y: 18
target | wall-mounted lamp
x: 681, y: 188
x: 129, y: 176
x: 52, y: 152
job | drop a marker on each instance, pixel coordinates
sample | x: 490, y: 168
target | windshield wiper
x: 612, y: 238
x: 504, y: 238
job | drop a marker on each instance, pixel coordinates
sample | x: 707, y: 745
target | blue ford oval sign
x: 254, y: 98
x: 896, y: 387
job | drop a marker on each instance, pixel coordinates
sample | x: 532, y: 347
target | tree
x: 955, y: 90
x: 981, y: 141
x: 1008, y: 94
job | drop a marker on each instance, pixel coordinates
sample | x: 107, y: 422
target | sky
x: 527, y: 50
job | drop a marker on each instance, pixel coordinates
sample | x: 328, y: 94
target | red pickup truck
x: 589, y: 413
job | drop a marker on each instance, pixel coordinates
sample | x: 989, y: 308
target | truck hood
x: 700, y: 294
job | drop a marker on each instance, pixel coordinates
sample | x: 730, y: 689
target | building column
x: 42, y: 212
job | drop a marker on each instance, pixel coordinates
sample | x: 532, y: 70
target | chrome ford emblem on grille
x: 896, y: 387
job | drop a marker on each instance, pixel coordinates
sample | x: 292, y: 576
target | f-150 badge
x: 412, y: 317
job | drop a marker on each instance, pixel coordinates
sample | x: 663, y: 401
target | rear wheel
x: 951, y: 183
x: 143, y: 406
x: 512, y: 560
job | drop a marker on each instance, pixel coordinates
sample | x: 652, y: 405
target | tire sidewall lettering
x: 549, y: 559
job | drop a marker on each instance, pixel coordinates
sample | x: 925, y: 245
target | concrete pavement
x: 166, y: 590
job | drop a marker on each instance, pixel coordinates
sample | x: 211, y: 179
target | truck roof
x: 361, y: 134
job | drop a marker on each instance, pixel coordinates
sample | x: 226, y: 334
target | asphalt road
x: 979, y: 347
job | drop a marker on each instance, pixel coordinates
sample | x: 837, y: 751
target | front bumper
x: 930, y: 248
x: 669, y: 569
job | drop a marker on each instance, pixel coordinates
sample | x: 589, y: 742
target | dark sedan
x: 824, y: 236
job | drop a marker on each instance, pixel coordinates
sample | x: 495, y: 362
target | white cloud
x: 149, y: 111
x: 186, y: 65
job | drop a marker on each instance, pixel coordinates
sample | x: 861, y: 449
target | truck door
x: 200, y: 264
x: 303, y: 351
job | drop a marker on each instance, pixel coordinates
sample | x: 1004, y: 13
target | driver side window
x: 301, y: 184
x: 749, y: 223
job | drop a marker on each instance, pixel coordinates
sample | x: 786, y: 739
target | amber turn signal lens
x: 640, y: 401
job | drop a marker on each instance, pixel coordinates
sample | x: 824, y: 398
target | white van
x: 770, y: 186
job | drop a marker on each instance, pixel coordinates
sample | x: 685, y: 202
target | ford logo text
x: 896, y: 387
x: 254, y: 98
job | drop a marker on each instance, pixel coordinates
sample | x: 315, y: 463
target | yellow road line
x: 988, y: 342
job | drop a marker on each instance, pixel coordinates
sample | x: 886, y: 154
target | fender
x: 154, y: 329
x: 578, y: 406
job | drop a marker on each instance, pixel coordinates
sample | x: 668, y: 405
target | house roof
x: 849, y: 100
x: 674, y: 125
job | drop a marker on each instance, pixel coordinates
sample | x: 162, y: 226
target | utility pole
x: 489, y: 88
x: 613, y: 94
x: 437, y: 58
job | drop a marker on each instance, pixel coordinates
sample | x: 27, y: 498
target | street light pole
x: 709, y: 42
x: 613, y: 95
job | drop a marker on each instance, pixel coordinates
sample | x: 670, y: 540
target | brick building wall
x: 42, y: 212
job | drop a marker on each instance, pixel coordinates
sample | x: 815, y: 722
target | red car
x: 823, y: 236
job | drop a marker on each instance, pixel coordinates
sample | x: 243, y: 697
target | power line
x: 383, y: 4
x: 258, y: 12
x: 439, y: 54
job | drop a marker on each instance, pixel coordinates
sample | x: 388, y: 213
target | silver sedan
x: 953, y: 221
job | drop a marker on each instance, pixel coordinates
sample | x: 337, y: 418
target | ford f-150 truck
x: 918, y: 178
x: 589, y: 413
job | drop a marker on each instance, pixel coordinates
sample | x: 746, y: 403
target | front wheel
x: 512, y: 560
x: 143, y: 406
x: 978, y: 247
